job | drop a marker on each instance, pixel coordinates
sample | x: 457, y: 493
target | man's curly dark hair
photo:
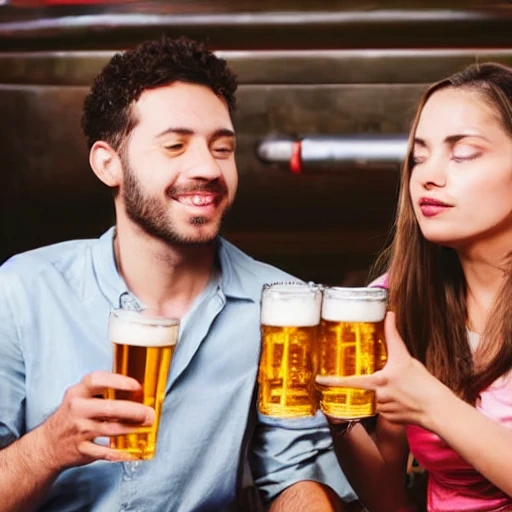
x: 107, y: 112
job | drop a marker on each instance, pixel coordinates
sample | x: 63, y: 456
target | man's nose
x: 202, y: 164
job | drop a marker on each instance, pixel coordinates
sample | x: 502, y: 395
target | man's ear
x: 106, y: 164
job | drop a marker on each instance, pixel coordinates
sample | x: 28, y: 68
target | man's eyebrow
x: 177, y: 130
x: 221, y: 132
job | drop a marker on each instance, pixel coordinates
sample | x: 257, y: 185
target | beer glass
x: 143, y: 348
x: 351, y: 343
x: 290, y: 318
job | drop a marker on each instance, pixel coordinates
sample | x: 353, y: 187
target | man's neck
x: 166, y: 279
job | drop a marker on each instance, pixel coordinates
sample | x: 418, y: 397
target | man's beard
x: 153, y: 217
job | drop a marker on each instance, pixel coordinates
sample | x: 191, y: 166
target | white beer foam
x: 353, y: 311
x: 295, y: 311
x: 142, y: 331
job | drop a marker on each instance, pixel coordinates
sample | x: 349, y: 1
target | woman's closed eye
x: 464, y: 153
x: 418, y: 159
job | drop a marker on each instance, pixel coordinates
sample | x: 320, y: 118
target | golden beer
x: 143, y: 348
x: 290, y: 317
x: 351, y: 343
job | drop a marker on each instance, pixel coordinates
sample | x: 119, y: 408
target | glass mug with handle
x: 290, y: 318
x: 351, y: 343
x: 143, y: 349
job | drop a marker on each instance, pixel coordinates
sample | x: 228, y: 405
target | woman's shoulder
x: 381, y: 282
x: 496, y: 400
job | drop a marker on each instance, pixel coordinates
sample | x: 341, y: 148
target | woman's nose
x: 431, y: 172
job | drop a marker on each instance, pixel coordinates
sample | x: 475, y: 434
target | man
x: 158, y: 124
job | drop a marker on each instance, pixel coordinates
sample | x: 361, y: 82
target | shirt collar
x: 109, y: 280
x: 236, y: 279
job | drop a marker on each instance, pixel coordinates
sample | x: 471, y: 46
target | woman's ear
x: 106, y: 164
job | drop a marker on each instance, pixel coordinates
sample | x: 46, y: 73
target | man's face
x: 179, y: 171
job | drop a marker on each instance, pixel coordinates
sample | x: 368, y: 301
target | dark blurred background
x: 327, y: 94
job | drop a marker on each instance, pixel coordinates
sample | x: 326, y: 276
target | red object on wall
x: 296, y: 158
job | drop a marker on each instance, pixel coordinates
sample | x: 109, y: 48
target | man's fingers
x: 122, y: 410
x: 115, y: 428
x: 96, y: 382
x: 92, y: 429
x: 369, y: 382
x: 99, y: 452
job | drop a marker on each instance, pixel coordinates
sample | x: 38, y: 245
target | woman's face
x: 461, y: 182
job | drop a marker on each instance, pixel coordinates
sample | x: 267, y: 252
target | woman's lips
x: 431, y: 207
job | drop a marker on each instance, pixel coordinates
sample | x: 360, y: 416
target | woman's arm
x: 406, y: 393
x: 375, y: 465
x: 482, y: 442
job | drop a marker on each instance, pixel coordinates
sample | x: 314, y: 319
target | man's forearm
x: 307, y: 495
x: 26, y: 475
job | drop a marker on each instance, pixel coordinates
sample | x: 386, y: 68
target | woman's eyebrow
x: 451, y: 139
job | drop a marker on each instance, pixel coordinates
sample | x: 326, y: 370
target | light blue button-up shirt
x: 54, y: 305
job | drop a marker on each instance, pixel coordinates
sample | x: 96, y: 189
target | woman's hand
x: 405, y: 391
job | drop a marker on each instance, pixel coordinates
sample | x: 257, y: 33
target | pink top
x: 453, y: 484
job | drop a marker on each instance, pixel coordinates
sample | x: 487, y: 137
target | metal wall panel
x: 325, y: 224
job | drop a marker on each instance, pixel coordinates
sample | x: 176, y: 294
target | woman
x: 446, y: 391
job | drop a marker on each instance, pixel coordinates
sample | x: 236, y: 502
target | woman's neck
x: 484, y: 279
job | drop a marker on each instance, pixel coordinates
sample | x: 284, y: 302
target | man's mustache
x: 213, y: 187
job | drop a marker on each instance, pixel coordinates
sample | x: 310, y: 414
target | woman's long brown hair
x: 426, y: 282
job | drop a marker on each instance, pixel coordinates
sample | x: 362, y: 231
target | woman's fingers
x: 394, y: 343
x: 369, y: 382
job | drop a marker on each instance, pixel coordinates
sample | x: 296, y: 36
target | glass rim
x: 291, y: 287
x: 362, y: 293
x: 138, y: 317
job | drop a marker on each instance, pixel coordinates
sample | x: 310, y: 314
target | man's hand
x: 69, y: 432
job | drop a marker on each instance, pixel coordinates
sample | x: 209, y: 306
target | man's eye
x: 173, y: 147
x: 223, y: 150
